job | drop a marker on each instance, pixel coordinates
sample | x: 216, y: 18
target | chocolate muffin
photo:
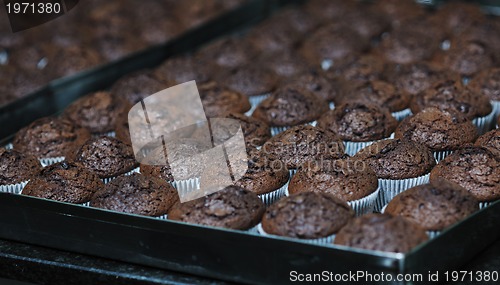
x: 185, y: 68
x: 65, y: 182
x: 399, y: 11
x: 296, y: 19
x: 433, y: 206
x: 369, y: 23
x: 98, y: 112
x: 17, y: 167
x: 452, y: 95
x: 286, y: 64
x: 316, y: 82
x: 50, y: 137
x: 438, y: 130
x: 290, y: 106
x: 347, y: 179
x: 65, y: 61
x: 137, y: 86
x: 250, y: 80
x: 359, y: 69
x: 326, y: 10
x: 381, y: 232
x: 303, y: 143
x: 233, y: 208
x: 272, y: 35
x: 106, y: 156
x: 487, y: 82
x: 136, y: 194
x: 476, y: 169
x: 264, y: 175
x: 331, y: 43
x: 407, y: 45
x: 467, y: 57
x: 307, y: 215
x: 358, y: 122
x: 490, y: 140
x: 397, y: 159
x: 457, y: 16
x: 380, y: 93
x: 229, y: 52
x: 218, y: 100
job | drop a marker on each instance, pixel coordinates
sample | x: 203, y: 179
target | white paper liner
x: 484, y: 204
x: 483, y: 124
x: 186, y: 186
x: 433, y: 234
x: 389, y: 188
x: 108, y: 134
x: 13, y: 188
x: 254, y: 229
x: 255, y: 100
x: 496, y: 107
x: 440, y: 155
x: 400, y: 115
x: 325, y: 240
x: 273, y: 196
x: 292, y: 172
x: 162, y: 217
x: 109, y: 179
x: 364, y: 205
x: 8, y: 146
x: 331, y: 105
x: 51, y: 160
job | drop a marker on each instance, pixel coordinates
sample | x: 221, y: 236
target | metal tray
x: 230, y: 255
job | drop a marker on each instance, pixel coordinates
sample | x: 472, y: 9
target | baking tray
x: 231, y: 255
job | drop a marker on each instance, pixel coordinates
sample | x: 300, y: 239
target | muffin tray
x: 237, y: 256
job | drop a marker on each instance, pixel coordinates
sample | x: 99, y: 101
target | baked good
x: 346, y: 179
x: 228, y: 52
x: 490, y: 140
x: 264, y: 175
x: 358, y: 122
x: 369, y: 23
x: 451, y: 94
x: 136, y: 194
x: 303, y: 143
x: 437, y: 129
x: 467, y: 57
x: 98, y: 112
x: 487, y: 82
x: 138, y: 85
x: 290, y: 106
x: 296, y: 19
x: 397, y: 159
x: 455, y: 17
x: 407, y: 45
x: 17, y: 167
x: 233, y: 208
x: 475, y: 168
x: 307, y: 215
x: 272, y: 35
x: 106, y: 156
x: 433, y: 206
x: 399, y: 11
x: 184, y: 68
x: 381, y: 232
x: 70, y: 60
x: 65, y: 182
x: 358, y: 69
x: 317, y: 82
x: 50, y: 137
x: 250, y: 80
x: 286, y: 64
x: 218, y: 100
x: 326, y: 10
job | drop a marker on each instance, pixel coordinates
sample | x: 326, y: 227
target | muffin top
x: 380, y: 93
x: 381, y: 232
x: 316, y: 82
x: 218, y: 100
x: 290, y: 106
x: 106, y: 156
x: 65, y: 182
x: 307, y: 215
x: 437, y: 129
x: 50, y: 137
x: 264, y: 174
x: 250, y: 80
x: 98, y: 112
x: 303, y: 143
x: 490, y: 140
x: 468, y: 57
x: 233, y: 208
x: 285, y: 64
x: 476, y: 169
x: 397, y: 159
x: 358, y: 122
x: 185, y: 68
x: 296, y: 18
x: 16, y: 167
x: 455, y: 17
x: 369, y: 23
x: 137, y: 86
x: 229, y: 52
x: 136, y: 194
x: 399, y: 11
x: 359, y: 68
x: 487, y: 82
x: 65, y: 61
x: 451, y: 94
x: 433, y: 206
x: 407, y: 45
x: 346, y: 179
x: 272, y: 35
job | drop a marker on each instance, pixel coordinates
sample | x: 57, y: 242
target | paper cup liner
x: 16, y: 188
x: 254, y: 229
x: 255, y: 100
x: 292, y: 172
x: 496, y: 107
x: 400, y: 115
x: 440, y: 155
x: 351, y: 148
x: 484, y: 204
x: 186, y: 186
x: 162, y: 217
x: 483, y: 124
x: 433, y: 234
x: 8, y: 146
x: 331, y: 105
x: 325, y: 240
x: 109, y: 179
x: 277, y: 130
x: 273, y: 196
x: 364, y: 205
x: 389, y: 188
x: 51, y: 160
x: 108, y: 134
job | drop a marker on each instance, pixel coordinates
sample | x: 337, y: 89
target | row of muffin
x: 92, y: 33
